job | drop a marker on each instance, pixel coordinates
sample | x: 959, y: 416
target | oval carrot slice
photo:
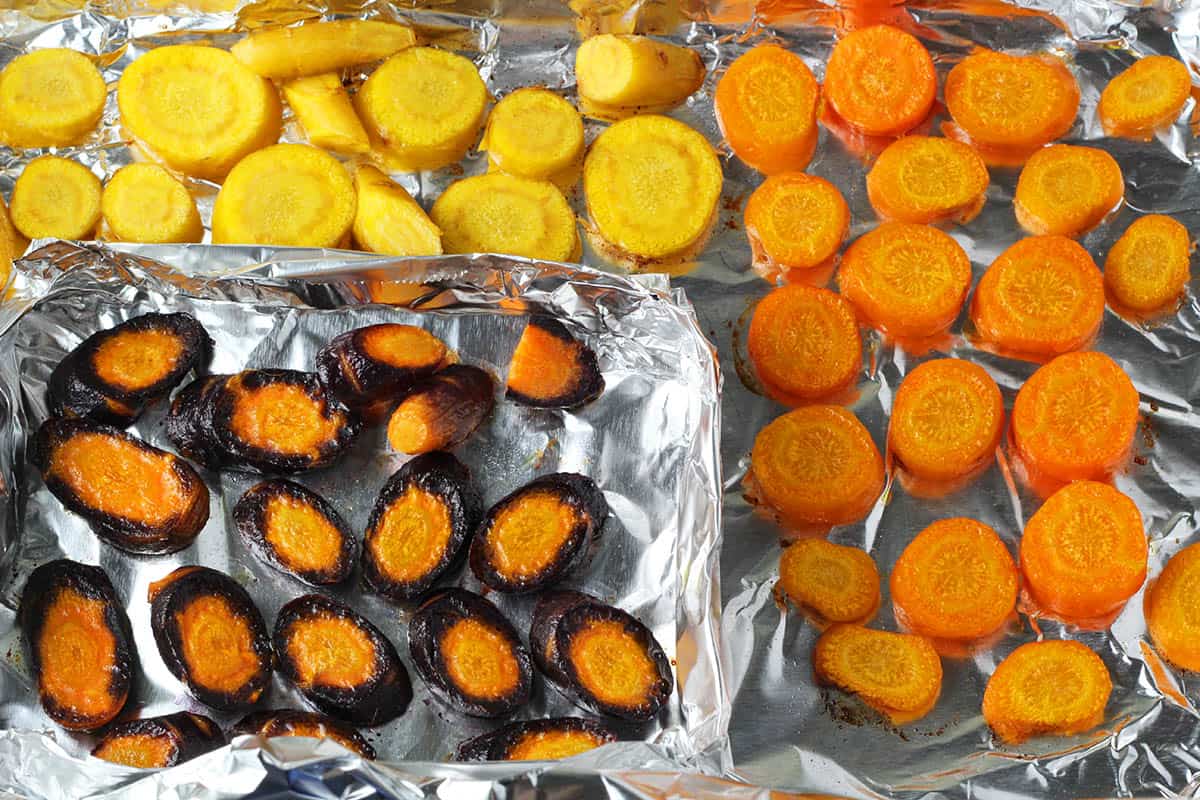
x: 1147, y: 96
x: 817, y: 465
x: 1067, y: 190
x: 1150, y: 265
x: 1074, y: 419
x: 897, y: 674
x: 835, y: 582
x: 796, y: 221
x: 766, y: 106
x: 804, y: 344
x: 1173, y: 610
x: 1040, y: 297
x: 946, y: 419
x: 880, y: 80
x: 928, y: 179
x: 1056, y: 688
x: 1083, y: 553
x: 909, y: 280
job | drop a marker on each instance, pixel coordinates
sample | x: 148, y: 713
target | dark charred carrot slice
x: 1050, y: 688
x: 79, y: 644
x: 1173, y: 610
x: 551, y: 368
x: 880, y: 80
x: 469, y: 655
x: 133, y: 495
x: 537, y: 740
x: 955, y: 580
x: 295, y: 531
x: 1074, y: 419
x: 1040, y: 297
x: 538, y: 534
x: 1083, y: 553
x: 442, y: 411
x: 925, y: 179
x: 835, y: 582
x: 897, y: 674
x: 366, y: 365
x: 795, y: 221
x: 908, y: 280
x: 1150, y: 265
x: 340, y: 662
x: 189, y: 423
x: 1145, y: 97
x: 1066, y: 190
x: 766, y: 105
x: 804, y: 344
x: 157, y: 742
x: 273, y: 724
x: 211, y: 636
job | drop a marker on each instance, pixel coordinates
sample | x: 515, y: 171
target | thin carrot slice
x: 145, y: 203
x: 796, y: 221
x: 817, y: 465
x: 534, y: 133
x: 1083, y: 553
x: 881, y: 80
x: 946, y: 420
x: 1147, y: 96
x: 909, y: 280
x: 897, y: 674
x: 56, y: 197
x: 1173, y: 610
x: 1150, y: 265
x: 1074, y: 419
x: 1055, y: 688
x: 50, y: 98
x: 836, y: 582
x: 1040, y: 297
x: 804, y: 344
x: 927, y: 179
x: 1066, y: 190
x: 766, y: 106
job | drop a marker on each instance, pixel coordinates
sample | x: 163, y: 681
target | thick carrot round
x: 1147, y: 96
x: 835, y: 582
x: 1173, y: 610
x: 804, y: 344
x: 1040, y: 297
x: 1083, y: 553
x: 796, y: 221
x: 928, y: 179
x: 880, y: 80
x: 1050, y: 688
x: 1074, y: 419
x: 1065, y: 190
x: 817, y: 465
x: 1150, y: 265
x: 908, y: 280
x: 947, y: 419
x: 897, y: 674
x: 766, y: 105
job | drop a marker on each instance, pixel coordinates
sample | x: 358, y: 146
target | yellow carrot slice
x: 618, y: 75
x: 145, y: 203
x: 286, y: 53
x: 50, y: 98
x: 534, y: 133
x: 389, y: 220
x: 325, y: 112
x: 499, y: 213
x: 56, y: 197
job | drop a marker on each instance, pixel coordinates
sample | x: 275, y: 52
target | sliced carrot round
x: 1083, y: 553
x: 1150, y: 265
x: 1057, y: 688
x: 897, y: 674
x: 909, y: 280
x: 946, y: 420
x: 880, y: 80
x: 1074, y: 419
x: 796, y: 221
x: 804, y: 344
x: 766, y: 106
x: 928, y: 179
x: 1173, y: 609
x: 1147, y: 96
x: 1067, y: 190
x: 817, y: 465
x: 836, y: 582
x: 1041, y: 296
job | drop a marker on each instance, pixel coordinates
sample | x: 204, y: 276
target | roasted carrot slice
x: 323, y: 107
x: 804, y: 344
x: 766, y: 105
x: 272, y: 724
x: 145, y: 203
x: 1040, y: 297
x: 50, y: 98
x: 442, y: 411
x: 897, y: 674
x: 955, y: 580
x: 55, y: 197
x: 534, y: 133
x: 817, y: 465
x: 156, y: 742
x: 388, y: 220
x: 1074, y: 419
x: 795, y: 221
x: 905, y: 279
x: 928, y: 179
x: 1083, y: 553
x: 1150, y: 265
x: 537, y: 740
x: 317, y: 47
x: 365, y: 366
x: 835, y: 582
x: 551, y: 368
x: 498, y: 213
x: 880, y: 80
x: 1066, y: 190
x: 1145, y: 97
x: 1171, y: 610
x: 1050, y: 688
x: 297, y: 532
x: 622, y: 74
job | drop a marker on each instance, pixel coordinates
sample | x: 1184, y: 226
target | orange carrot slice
x: 766, y: 106
x: 1147, y: 96
x: 927, y: 179
x: 1150, y: 265
x: 1173, y: 610
x: 1040, y: 297
x: 835, y: 582
x: 881, y: 80
x: 897, y: 674
x: 1067, y: 190
x: 795, y: 221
